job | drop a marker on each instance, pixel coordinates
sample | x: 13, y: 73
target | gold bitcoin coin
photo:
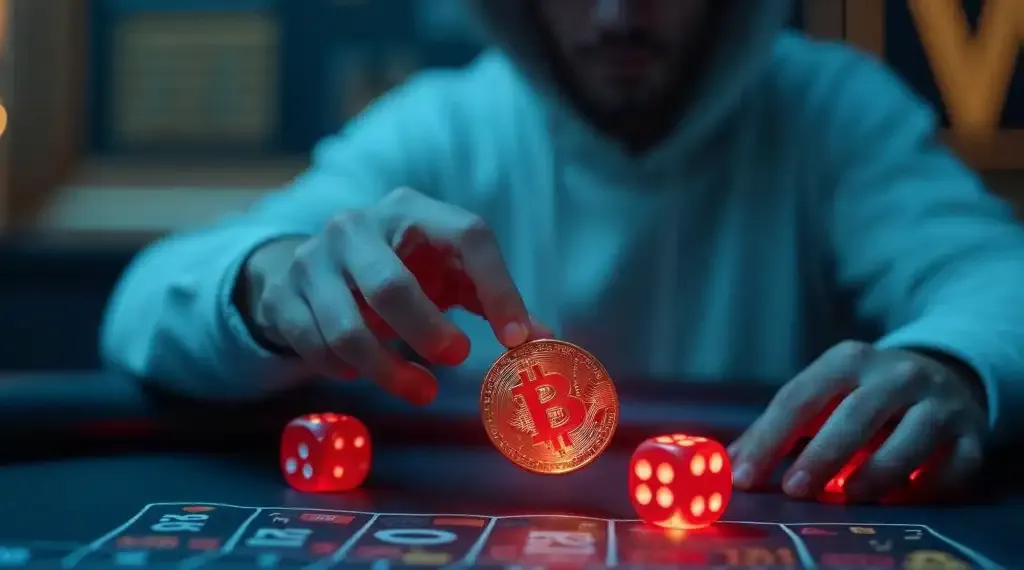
x: 549, y: 406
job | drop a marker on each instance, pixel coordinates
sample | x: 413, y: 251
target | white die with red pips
x: 325, y: 453
x: 680, y: 481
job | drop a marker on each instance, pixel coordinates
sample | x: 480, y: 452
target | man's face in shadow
x: 624, y: 57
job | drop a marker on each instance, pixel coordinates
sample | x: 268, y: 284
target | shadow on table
x: 60, y: 415
x: 110, y: 406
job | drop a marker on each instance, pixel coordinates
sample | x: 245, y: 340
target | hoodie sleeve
x: 171, y: 319
x: 928, y: 253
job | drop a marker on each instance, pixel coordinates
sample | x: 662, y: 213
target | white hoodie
x: 804, y: 201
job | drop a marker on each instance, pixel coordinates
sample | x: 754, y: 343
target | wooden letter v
x: 973, y: 71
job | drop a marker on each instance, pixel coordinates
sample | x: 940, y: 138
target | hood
x: 741, y: 51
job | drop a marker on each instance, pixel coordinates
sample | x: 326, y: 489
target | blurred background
x: 132, y: 118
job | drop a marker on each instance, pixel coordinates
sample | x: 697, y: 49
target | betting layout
x: 198, y: 535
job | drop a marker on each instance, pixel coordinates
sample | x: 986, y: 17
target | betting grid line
x: 75, y: 557
x: 199, y: 560
x: 69, y: 545
x: 337, y: 557
x: 802, y: 552
x: 474, y: 551
x: 398, y: 514
x: 342, y: 551
x: 481, y: 515
x: 230, y: 545
x: 611, y: 557
x: 978, y: 557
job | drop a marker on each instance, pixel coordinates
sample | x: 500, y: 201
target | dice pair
x: 680, y: 481
x: 325, y: 453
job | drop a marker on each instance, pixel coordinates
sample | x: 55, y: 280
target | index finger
x: 478, y: 251
x: 803, y: 399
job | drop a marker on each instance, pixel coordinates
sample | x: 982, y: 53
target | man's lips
x: 627, y: 61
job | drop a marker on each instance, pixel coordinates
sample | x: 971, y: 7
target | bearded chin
x: 632, y: 106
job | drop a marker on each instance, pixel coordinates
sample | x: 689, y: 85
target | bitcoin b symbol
x: 555, y: 411
x: 549, y: 406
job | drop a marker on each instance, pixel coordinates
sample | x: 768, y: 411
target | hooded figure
x: 684, y: 188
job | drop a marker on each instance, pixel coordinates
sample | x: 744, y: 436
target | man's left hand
x: 851, y: 393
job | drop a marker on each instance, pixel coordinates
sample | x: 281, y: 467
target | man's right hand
x: 378, y: 274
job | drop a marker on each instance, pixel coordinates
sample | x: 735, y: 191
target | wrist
x: 263, y: 265
x: 961, y: 370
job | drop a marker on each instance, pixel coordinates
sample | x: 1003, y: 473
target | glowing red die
x: 680, y: 481
x: 325, y: 452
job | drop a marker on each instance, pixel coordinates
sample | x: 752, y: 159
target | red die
x: 325, y: 452
x: 680, y: 481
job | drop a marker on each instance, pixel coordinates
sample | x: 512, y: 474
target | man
x: 679, y: 186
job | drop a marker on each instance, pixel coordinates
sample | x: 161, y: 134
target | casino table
x: 100, y: 471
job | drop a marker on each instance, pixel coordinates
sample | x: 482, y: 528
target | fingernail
x: 732, y: 450
x: 514, y: 334
x: 743, y: 476
x: 797, y: 485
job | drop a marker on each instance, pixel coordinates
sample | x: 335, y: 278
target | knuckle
x: 790, y: 399
x: 307, y: 249
x: 906, y: 375
x: 268, y: 308
x: 938, y: 417
x: 950, y: 412
x: 972, y: 458
x: 394, y: 289
x: 910, y: 370
x: 352, y: 341
x: 342, y: 224
x: 476, y: 231
x: 298, y: 336
x: 305, y: 341
x: 301, y: 269
x: 864, y: 407
x: 400, y: 195
x: 851, y: 352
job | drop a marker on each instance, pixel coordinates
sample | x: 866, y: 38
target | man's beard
x: 644, y: 119
x: 642, y: 104
x: 639, y: 117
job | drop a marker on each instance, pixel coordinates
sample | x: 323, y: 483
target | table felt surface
x: 79, y: 500
x: 75, y: 489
